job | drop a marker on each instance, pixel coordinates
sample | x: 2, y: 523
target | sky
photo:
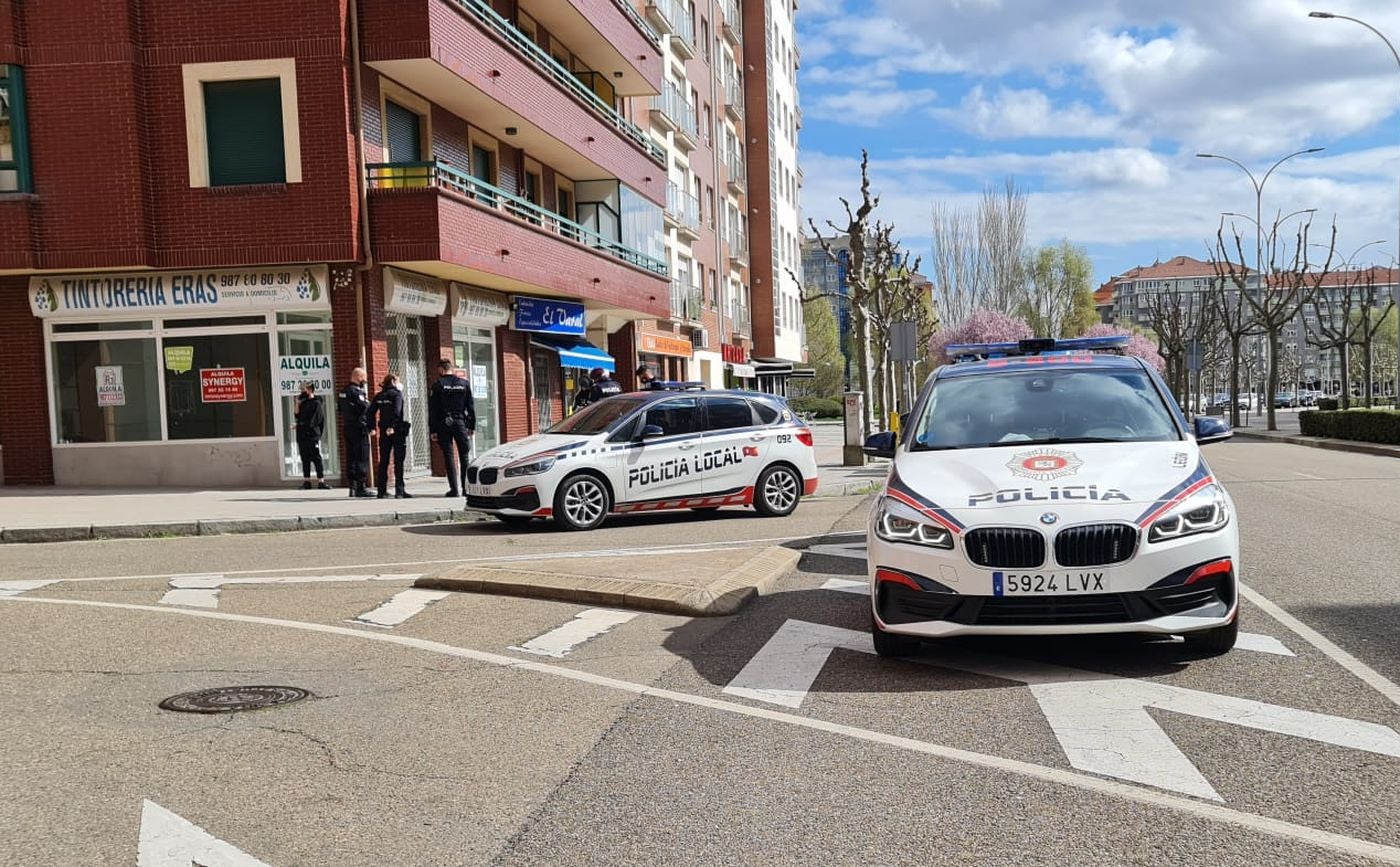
x: 1097, y: 108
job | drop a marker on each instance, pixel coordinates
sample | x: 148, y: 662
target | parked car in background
x: 1308, y: 397
x: 1285, y: 399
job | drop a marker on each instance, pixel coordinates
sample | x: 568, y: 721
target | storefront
x: 666, y: 356
x: 476, y: 314
x: 408, y: 297
x: 738, y: 373
x: 183, y: 377
x: 560, y: 354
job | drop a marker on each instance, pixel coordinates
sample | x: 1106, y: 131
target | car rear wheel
x: 1215, y: 641
x: 777, y: 491
x: 581, y: 503
x: 890, y: 645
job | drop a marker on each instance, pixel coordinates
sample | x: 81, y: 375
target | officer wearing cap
x: 645, y: 379
x: 354, y: 415
x: 604, y: 386
x: 452, y: 423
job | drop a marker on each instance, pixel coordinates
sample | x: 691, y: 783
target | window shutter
x: 243, y: 123
x: 404, y: 133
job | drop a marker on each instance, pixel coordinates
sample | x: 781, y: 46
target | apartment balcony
x: 675, y: 20
x: 671, y: 112
x: 740, y: 322
x: 437, y: 219
x: 735, y: 174
x: 463, y: 56
x: 797, y: 111
x: 734, y: 99
x: 733, y: 25
x: 607, y: 35
x: 686, y: 302
x: 682, y: 211
x: 738, y: 248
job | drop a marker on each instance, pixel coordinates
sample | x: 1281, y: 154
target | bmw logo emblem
x: 1049, y: 518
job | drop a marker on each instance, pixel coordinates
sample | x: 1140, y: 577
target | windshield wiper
x: 1052, y: 441
x: 920, y: 447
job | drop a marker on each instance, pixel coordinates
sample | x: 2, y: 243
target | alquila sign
x: 294, y: 287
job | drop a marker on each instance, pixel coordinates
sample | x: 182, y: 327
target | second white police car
x: 1051, y: 487
x: 672, y: 448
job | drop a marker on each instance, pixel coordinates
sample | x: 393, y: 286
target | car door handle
x: 685, y: 448
x: 758, y: 438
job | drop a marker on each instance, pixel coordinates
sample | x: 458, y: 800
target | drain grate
x: 229, y: 699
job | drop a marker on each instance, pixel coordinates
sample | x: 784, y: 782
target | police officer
x: 604, y: 385
x: 452, y: 422
x: 310, y: 425
x: 354, y: 415
x: 645, y: 379
x: 386, y: 411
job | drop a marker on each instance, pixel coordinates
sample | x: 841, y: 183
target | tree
x: 1138, y: 343
x: 982, y: 326
x: 1181, y: 318
x: 1338, y: 319
x: 978, y: 255
x: 1001, y: 237
x: 894, y: 297
x: 1058, y: 274
x: 823, y: 348
x: 1233, y: 316
x: 1375, y: 338
x: 1083, y: 314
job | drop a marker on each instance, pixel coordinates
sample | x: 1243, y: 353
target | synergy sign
x: 180, y: 292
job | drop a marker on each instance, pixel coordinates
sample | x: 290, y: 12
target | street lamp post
x: 1259, y: 232
x: 1395, y: 287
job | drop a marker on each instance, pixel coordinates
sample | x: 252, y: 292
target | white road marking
x: 1100, y: 720
x: 1309, y: 476
x: 402, y: 606
x: 168, y: 840
x: 14, y: 588
x: 1262, y: 644
x: 1213, y: 812
x: 1368, y: 674
x: 561, y: 641
x: 851, y: 551
x: 202, y: 591
x: 846, y: 585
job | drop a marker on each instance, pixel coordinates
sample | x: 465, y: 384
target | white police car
x: 1051, y: 487
x: 676, y: 447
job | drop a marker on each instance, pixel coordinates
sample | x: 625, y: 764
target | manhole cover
x: 227, y: 699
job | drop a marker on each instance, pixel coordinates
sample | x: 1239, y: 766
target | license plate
x: 477, y: 490
x: 1047, y: 583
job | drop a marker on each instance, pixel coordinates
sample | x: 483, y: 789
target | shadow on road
x: 540, y: 526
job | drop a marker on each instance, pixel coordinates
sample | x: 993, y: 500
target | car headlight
x: 895, y: 523
x: 530, y: 469
x: 1204, y: 513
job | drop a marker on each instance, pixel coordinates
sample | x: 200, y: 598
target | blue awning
x: 575, y: 352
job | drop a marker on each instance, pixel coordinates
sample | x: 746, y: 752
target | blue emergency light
x: 960, y: 352
x: 672, y: 385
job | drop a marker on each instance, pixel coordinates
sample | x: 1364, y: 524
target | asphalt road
x: 770, y: 737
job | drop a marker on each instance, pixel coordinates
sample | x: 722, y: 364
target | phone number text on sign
x: 223, y: 385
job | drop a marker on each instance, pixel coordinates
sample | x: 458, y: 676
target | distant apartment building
x: 824, y: 277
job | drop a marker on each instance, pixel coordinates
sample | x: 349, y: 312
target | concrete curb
x: 1323, y: 443
x: 725, y: 595
x: 231, y: 526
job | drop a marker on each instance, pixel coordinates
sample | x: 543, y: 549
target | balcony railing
x: 738, y: 245
x: 733, y: 24
x: 682, y: 207
x: 672, y: 103
x: 742, y: 323
x: 686, y: 300
x: 734, y: 97
x: 735, y: 169
x: 551, y: 69
x: 641, y: 23
x: 422, y: 175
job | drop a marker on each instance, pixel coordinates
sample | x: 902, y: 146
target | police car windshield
x: 1041, y: 407
x: 598, y: 418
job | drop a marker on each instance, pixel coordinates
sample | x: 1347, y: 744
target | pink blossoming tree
x: 983, y: 326
x: 1138, y: 344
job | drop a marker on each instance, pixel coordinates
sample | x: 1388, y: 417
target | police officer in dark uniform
x: 386, y: 411
x: 452, y: 421
x: 354, y: 415
x: 604, y: 385
x: 310, y: 426
x: 645, y: 378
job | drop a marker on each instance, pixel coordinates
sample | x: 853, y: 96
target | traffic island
x: 694, y: 583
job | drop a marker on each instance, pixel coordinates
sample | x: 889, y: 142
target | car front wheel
x: 890, y: 645
x: 1215, y: 641
x: 777, y: 491
x: 581, y: 503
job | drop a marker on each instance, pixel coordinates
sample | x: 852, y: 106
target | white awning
x: 743, y: 371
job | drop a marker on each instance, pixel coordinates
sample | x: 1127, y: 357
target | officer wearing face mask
x: 452, y: 421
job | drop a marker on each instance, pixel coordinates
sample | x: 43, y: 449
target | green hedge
x: 821, y: 407
x: 1328, y: 403
x: 1362, y: 425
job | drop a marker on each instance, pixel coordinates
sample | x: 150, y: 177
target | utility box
x: 853, y: 403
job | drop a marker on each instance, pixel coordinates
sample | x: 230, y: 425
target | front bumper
x: 523, y: 500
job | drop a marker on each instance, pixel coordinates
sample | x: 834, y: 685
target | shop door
x: 405, y: 345
x: 540, y: 368
x: 475, y: 355
x: 314, y: 342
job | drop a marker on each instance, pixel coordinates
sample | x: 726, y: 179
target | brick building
x: 201, y: 207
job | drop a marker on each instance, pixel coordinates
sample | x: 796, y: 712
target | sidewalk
x: 1289, y: 432
x: 73, y: 514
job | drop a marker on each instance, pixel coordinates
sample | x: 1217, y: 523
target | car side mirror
x: 652, y: 431
x: 880, y: 445
x: 1211, y: 430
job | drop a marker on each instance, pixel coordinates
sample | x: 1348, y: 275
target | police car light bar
x: 670, y: 385
x: 1035, y: 346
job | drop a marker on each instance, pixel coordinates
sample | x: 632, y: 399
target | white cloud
x: 864, y: 107
x: 1027, y: 113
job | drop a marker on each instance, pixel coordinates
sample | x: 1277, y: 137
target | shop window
x: 200, y: 405
x: 106, y: 391
x: 303, y: 318
x: 14, y: 150
x: 243, y: 122
x: 726, y: 413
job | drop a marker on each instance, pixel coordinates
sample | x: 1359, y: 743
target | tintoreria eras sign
x: 293, y: 287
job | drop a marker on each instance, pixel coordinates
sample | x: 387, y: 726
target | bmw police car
x: 1051, y: 487
x: 677, y: 447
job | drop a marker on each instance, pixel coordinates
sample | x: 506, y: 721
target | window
x: 403, y: 133
x: 241, y: 123
x: 14, y: 149
x: 198, y: 408
x: 767, y: 412
x: 726, y: 413
x: 709, y: 124
x: 677, y: 416
x: 106, y: 391
x: 705, y: 37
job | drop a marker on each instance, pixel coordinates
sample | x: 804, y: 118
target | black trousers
x: 455, y: 435
x: 357, y: 456
x: 310, y: 450
x: 397, y: 446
